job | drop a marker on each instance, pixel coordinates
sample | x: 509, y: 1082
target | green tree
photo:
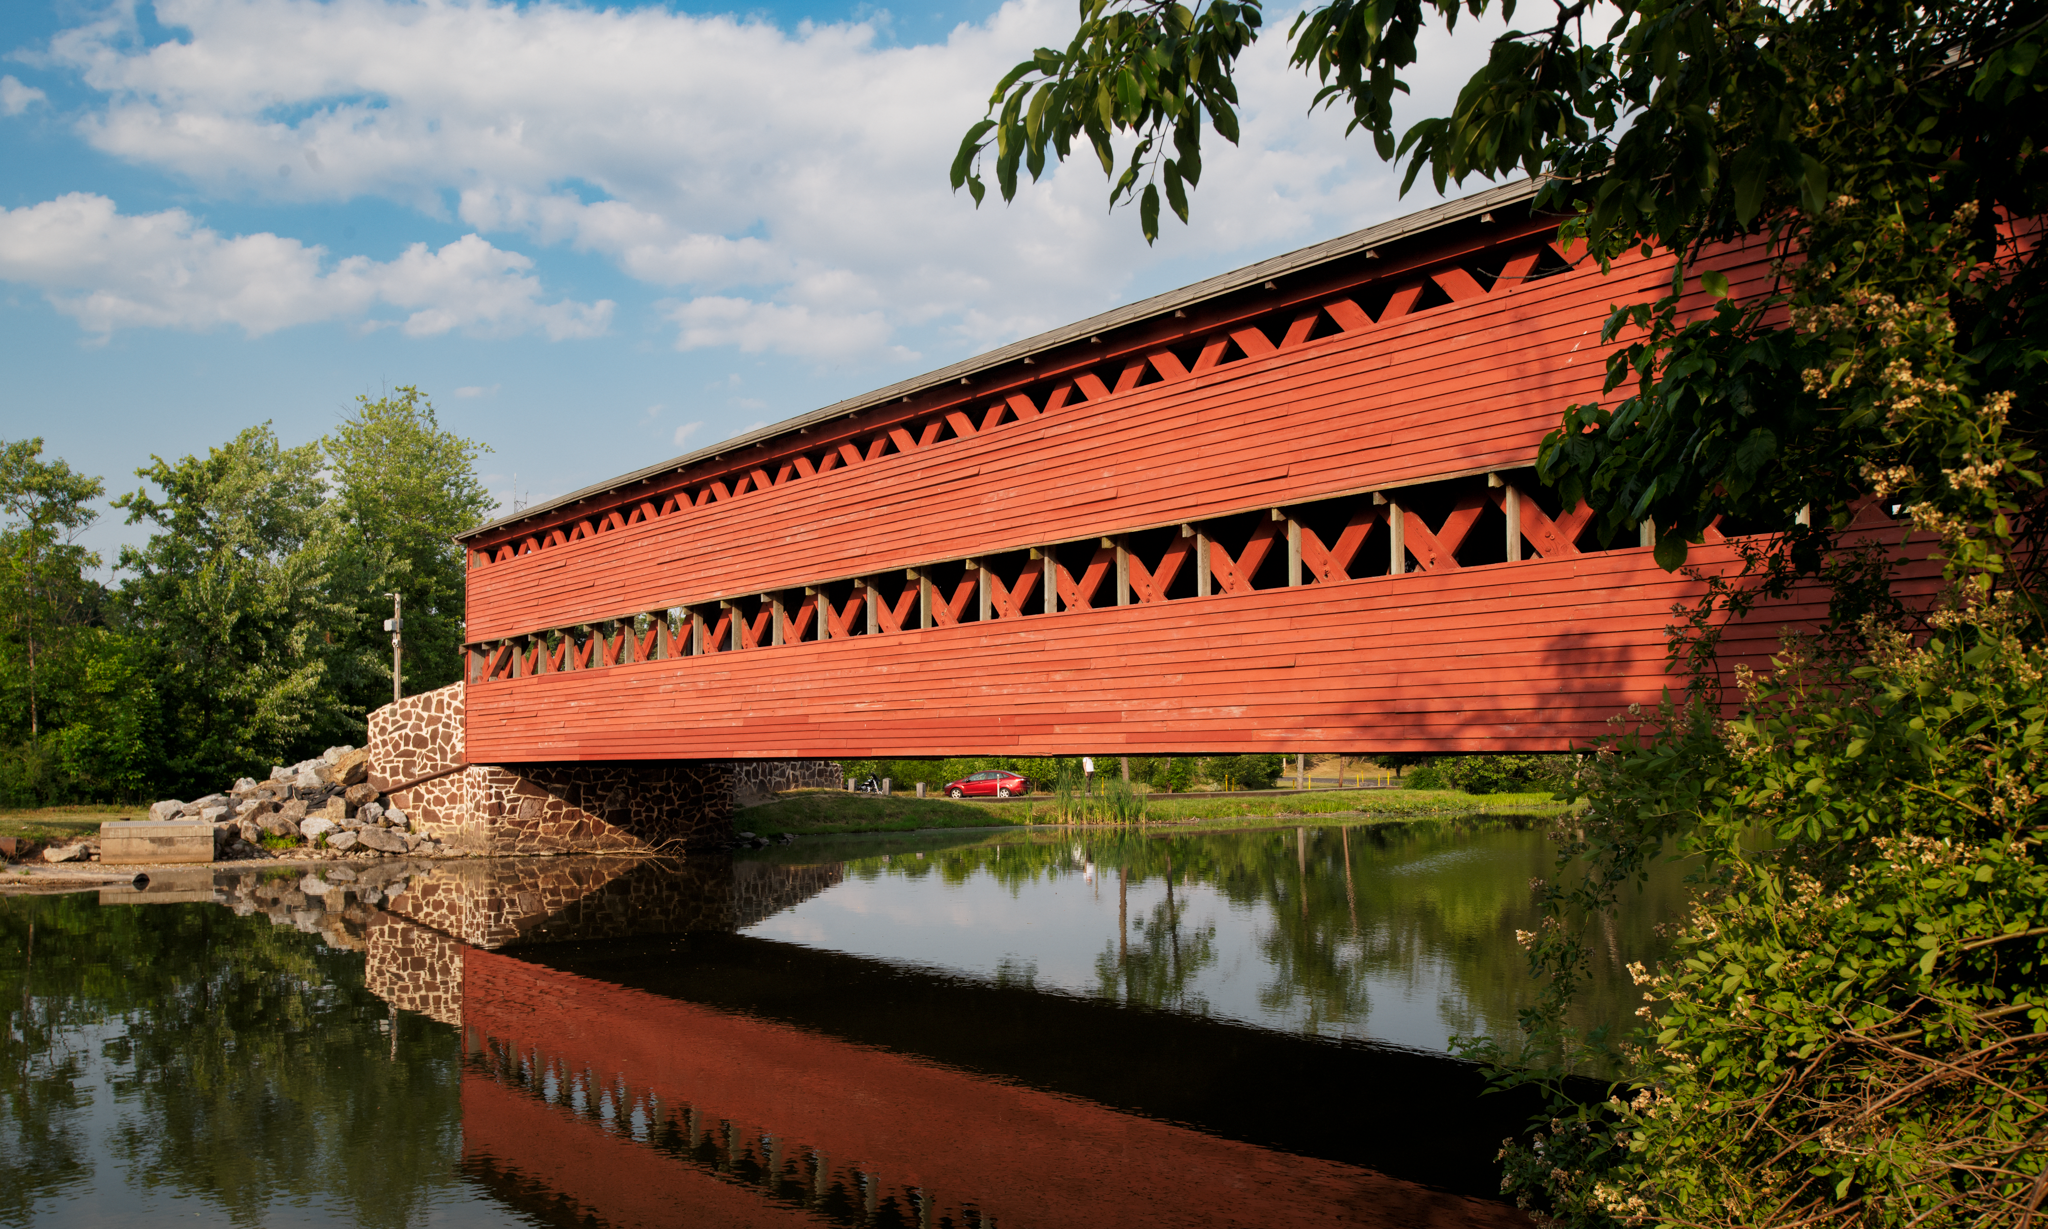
x: 403, y: 488
x: 231, y: 589
x: 1884, y: 151
x: 46, y: 506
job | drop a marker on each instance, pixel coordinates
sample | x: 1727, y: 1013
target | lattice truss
x: 1462, y: 522
x: 922, y: 429
x: 1473, y: 521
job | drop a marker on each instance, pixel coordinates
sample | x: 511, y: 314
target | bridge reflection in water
x: 630, y: 1059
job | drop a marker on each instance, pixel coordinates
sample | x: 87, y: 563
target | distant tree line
x: 247, y: 629
x: 1474, y: 774
x: 1164, y: 772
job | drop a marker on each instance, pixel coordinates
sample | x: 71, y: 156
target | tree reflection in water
x: 247, y: 1064
x: 1423, y: 912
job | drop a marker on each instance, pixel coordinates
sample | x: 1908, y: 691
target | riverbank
x: 836, y: 812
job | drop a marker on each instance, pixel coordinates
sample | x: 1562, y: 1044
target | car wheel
x: 956, y: 792
x: 1003, y: 792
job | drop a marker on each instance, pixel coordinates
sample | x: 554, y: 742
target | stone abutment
x: 417, y: 758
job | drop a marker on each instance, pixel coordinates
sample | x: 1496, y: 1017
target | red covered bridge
x: 1288, y: 508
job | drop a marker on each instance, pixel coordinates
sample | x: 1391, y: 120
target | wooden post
x: 696, y: 618
x: 1646, y: 533
x: 1050, y: 580
x: 1203, y: 581
x: 821, y: 612
x: 1397, y: 537
x: 1300, y: 770
x: 985, y: 594
x: 924, y: 597
x: 1293, y: 548
x: 874, y: 615
x: 1123, y: 570
x: 1511, y: 507
x: 733, y: 641
x: 778, y: 617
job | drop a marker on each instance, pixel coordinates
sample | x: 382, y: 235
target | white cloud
x: 16, y: 97
x: 685, y: 431
x: 165, y: 270
x: 754, y: 327
x: 476, y: 390
x: 789, y: 186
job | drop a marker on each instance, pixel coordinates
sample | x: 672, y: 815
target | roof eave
x: 1404, y: 227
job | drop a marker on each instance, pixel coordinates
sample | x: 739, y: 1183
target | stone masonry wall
x: 416, y: 737
x: 598, y: 807
x: 759, y: 779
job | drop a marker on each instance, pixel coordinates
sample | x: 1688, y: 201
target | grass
x: 49, y: 823
x: 825, y: 812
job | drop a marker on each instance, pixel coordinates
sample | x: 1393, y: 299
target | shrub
x: 1501, y: 774
x: 1850, y: 1029
x: 1244, y: 771
x: 1424, y: 776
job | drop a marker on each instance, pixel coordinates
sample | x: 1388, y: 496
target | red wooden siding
x: 1467, y: 386
x: 1352, y: 399
x: 1524, y: 656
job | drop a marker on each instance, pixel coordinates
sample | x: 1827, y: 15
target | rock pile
x: 323, y: 807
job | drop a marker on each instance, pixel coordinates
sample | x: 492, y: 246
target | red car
x: 999, y: 782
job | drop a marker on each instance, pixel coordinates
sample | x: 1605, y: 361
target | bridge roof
x: 1406, y: 227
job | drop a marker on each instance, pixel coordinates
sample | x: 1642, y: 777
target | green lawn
x: 818, y: 812
x: 47, y: 823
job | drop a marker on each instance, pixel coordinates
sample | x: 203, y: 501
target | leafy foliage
x: 247, y: 631
x: 1883, y: 153
x: 233, y: 590
x: 1502, y: 774
x: 403, y: 488
x: 1854, y: 1028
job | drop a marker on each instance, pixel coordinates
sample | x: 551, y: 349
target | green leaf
x: 1148, y: 212
x: 1670, y: 551
x: 1715, y: 283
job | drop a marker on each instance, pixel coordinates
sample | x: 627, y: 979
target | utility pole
x: 394, y: 624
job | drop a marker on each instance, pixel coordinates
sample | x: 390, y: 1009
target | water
x: 1220, y: 1028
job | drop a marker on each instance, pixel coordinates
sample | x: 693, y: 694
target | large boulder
x: 332, y: 754
x: 396, y: 818
x: 351, y: 767
x: 168, y: 809
x: 382, y: 840
x: 211, y: 815
x: 336, y: 809
x: 280, y: 825
x: 197, y: 805
x: 295, y: 810
x: 344, y: 841
x: 314, y: 829
x: 246, y: 785
x: 308, y: 779
x: 69, y: 853
x: 360, y: 793
x: 370, y: 812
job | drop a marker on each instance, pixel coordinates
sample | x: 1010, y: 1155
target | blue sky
x: 596, y: 236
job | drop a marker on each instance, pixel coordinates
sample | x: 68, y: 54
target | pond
x: 1042, y: 1028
